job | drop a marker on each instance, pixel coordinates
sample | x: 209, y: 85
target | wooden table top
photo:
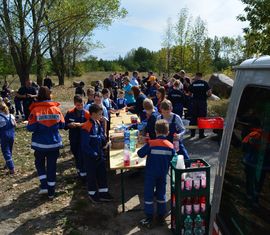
x: 117, y: 155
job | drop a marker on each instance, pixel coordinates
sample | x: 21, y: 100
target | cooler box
x: 210, y: 123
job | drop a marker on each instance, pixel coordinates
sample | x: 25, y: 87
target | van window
x: 245, y: 202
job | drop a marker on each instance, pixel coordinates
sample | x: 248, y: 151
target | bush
x: 78, y: 70
x: 218, y: 108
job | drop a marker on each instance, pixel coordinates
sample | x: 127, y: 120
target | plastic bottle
x: 196, y: 205
x: 188, y: 224
x: 126, y: 137
x: 173, y: 200
x: 203, y: 177
x: 196, y: 176
x: 198, y: 225
x: 203, y: 204
x: 188, y: 182
x: 133, y: 140
x: 188, y: 206
x: 183, y: 206
x: 175, y: 142
x: 126, y: 156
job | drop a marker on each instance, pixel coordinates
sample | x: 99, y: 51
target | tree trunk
x: 40, y: 66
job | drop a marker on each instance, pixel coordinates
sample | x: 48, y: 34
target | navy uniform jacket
x: 150, y: 126
x: 92, y: 139
x: 74, y: 115
x: 199, y: 89
x: 159, y: 153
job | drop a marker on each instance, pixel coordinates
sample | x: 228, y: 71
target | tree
x: 183, y: 35
x: 257, y: 34
x: 21, y: 22
x: 82, y: 17
x: 167, y: 43
x: 198, y: 37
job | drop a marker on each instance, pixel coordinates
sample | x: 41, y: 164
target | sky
x: 146, y: 21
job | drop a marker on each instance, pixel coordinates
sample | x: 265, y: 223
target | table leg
x: 122, y: 191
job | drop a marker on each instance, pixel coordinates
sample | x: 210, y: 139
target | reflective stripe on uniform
x: 161, y: 152
x: 82, y: 174
x: 160, y: 201
x: 148, y: 203
x: 103, y: 190
x: 91, y: 192
x: 42, y: 177
x: 51, y: 183
x: 46, y: 146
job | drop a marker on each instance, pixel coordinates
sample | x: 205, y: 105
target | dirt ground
x: 23, y: 211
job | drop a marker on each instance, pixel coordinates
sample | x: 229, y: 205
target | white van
x: 241, y: 198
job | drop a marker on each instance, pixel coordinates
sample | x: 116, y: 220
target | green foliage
x: 257, y: 34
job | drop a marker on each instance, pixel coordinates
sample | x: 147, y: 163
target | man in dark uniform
x: 27, y: 94
x: 200, y: 91
x: 48, y: 82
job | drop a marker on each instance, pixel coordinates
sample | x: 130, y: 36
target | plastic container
x: 191, y: 198
x: 210, y: 123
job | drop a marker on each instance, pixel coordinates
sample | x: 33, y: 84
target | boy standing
x: 176, y: 126
x: 151, y: 117
x: 92, y: 143
x: 159, y: 153
x: 74, y: 119
x: 121, y: 101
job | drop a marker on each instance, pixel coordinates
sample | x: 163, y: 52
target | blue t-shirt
x: 130, y: 97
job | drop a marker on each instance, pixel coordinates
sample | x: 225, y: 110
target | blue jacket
x: 92, y: 139
x: 150, y: 126
x: 74, y: 115
x: 7, y: 126
x: 159, y: 153
x: 44, y: 121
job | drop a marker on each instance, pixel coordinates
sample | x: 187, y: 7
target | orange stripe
x: 87, y: 126
x: 160, y: 143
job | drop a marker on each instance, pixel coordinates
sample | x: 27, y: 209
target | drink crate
x: 186, y: 190
x: 210, y: 123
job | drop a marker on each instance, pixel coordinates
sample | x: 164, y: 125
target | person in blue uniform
x: 159, y: 153
x: 44, y: 121
x: 177, y: 97
x: 7, y: 135
x: 121, y: 102
x: 93, y: 142
x: 74, y: 119
x: 27, y: 94
x: 177, y: 128
x: 151, y: 118
x: 200, y: 92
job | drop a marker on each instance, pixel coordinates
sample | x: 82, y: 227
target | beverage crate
x: 210, y: 123
x: 186, y: 194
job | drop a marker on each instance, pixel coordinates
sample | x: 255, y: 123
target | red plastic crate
x: 210, y: 123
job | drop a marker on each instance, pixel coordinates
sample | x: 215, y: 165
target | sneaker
x: 105, y: 197
x: 12, y: 172
x: 51, y: 197
x: 43, y: 191
x: 94, y: 198
x: 202, y: 136
x: 147, y: 222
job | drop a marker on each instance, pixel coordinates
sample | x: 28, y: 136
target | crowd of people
x: 159, y: 104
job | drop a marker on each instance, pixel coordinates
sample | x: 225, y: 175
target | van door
x: 245, y: 199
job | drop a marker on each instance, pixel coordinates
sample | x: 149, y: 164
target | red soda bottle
x: 173, y: 200
x: 203, y: 203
